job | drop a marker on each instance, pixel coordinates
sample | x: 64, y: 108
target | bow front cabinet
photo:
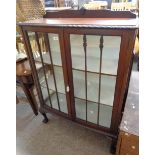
x: 85, y: 67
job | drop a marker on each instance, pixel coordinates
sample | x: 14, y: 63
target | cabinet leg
x: 45, y: 120
x: 113, y: 146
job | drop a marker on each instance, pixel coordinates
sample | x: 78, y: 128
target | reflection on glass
x: 110, y: 53
x: 62, y: 100
x: 92, y: 87
x: 55, y: 48
x: 100, y: 93
x: 92, y: 111
x: 59, y: 80
x: 110, y: 57
x: 80, y: 107
x: 54, y: 90
x: 105, y: 112
x: 105, y: 115
x: 79, y: 84
x: 107, y: 89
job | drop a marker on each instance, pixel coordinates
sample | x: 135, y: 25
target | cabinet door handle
x: 67, y: 89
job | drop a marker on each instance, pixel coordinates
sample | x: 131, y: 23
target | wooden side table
x: 128, y: 140
x: 25, y: 79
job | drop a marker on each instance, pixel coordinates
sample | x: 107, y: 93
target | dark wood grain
x: 98, y: 23
x: 32, y: 65
x: 25, y: 79
x: 66, y: 39
x: 124, y: 25
x: 89, y: 14
x: 125, y: 58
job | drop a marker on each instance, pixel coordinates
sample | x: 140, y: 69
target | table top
x: 23, y: 68
x: 85, y: 22
x: 130, y: 120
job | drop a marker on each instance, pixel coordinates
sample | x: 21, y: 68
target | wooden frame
x: 89, y: 14
x: 127, y: 34
x: 124, y: 58
x: 43, y: 107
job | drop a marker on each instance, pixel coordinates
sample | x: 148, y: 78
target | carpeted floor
x: 58, y: 137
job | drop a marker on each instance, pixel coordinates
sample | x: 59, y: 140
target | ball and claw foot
x: 45, y: 120
x: 113, y: 149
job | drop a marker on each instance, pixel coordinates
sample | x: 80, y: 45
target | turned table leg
x: 28, y: 89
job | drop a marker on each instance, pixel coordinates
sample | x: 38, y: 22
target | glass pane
x: 105, y: 115
x: 107, y: 89
x: 63, y: 102
x: 92, y: 111
x: 80, y: 107
x: 109, y: 61
x: 53, y: 89
x: 92, y: 87
x: 45, y: 95
x: 59, y: 79
x: 79, y: 84
x: 77, y: 52
x: 54, y: 101
x: 55, y: 48
x: 109, y: 58
x: 38, y: 65
x: 93, y: 53
x: 58, y: 72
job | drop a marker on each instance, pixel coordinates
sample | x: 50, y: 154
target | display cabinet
x: 86, y: 58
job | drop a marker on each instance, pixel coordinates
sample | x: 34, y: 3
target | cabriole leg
x: 45, y: 120
x: 113, y: 146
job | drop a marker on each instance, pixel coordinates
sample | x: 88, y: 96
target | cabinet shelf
x: 53, y: 97
x: 46, y: 58
x: 91, y: 101
x: 59, y: 80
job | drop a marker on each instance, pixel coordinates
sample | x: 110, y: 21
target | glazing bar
x: 39, y: 49
x: 101, y: 49
x: 47, y: 44
x: 85, y: 50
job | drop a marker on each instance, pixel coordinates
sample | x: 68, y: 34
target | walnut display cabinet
x: 86, y: 61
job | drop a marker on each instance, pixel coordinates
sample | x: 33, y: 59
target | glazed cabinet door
x: 45, y: 51
x: 93, y: 58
